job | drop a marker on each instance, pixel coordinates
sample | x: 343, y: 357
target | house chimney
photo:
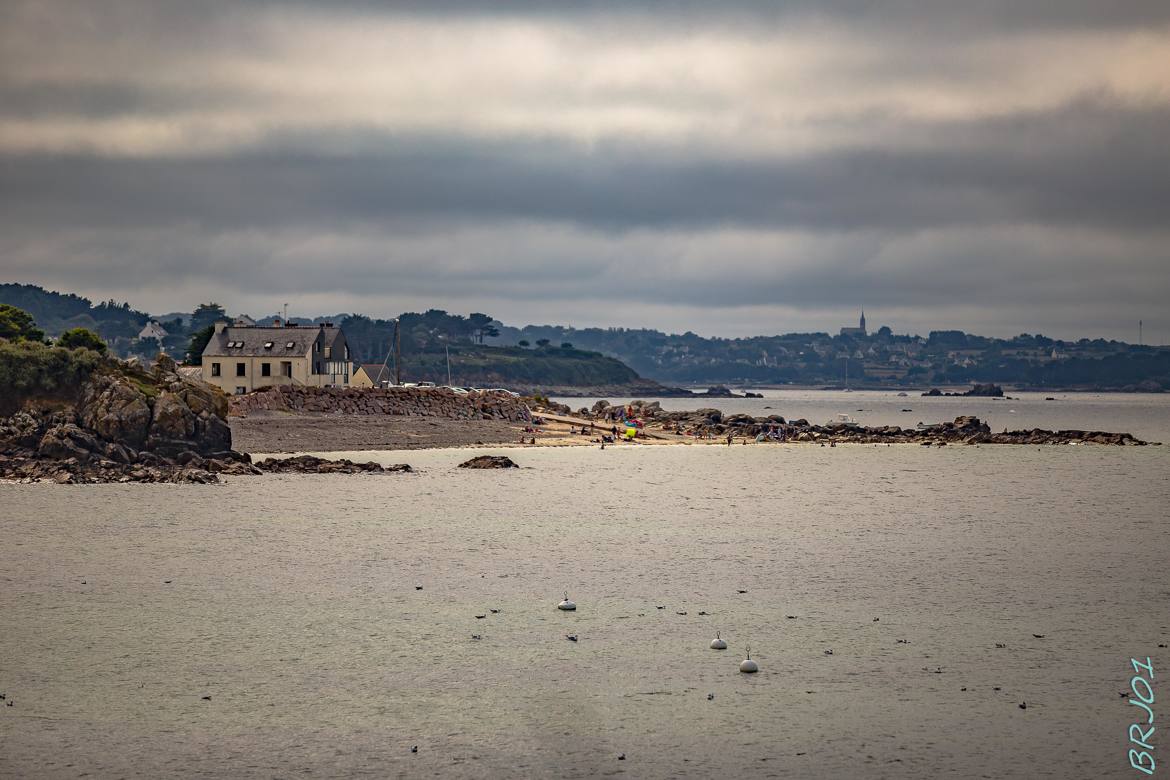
x: 276, y: 322
x: 219, y: 326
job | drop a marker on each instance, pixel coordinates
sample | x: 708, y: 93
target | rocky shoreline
x: 125, y: 424
x: 702, y: 424
x: 129, y: 425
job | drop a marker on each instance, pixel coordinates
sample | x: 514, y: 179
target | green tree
x: 197, y: 344
x: 206, y: 314
x: 481, y: 327
x: 17, y: 325
x: 542, y: 342
x: 80, y: 338
x: 522, y: 343
x: 566, y: 345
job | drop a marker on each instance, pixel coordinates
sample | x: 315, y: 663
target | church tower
x: 862, y: 326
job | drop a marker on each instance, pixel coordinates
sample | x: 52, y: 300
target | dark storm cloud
x: 691, y: 160
x: 1086, y: 164
x: 952, y: 14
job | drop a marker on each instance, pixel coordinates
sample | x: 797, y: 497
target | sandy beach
x: 282, y: 432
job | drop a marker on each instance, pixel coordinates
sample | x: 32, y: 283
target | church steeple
x: 862, y: 326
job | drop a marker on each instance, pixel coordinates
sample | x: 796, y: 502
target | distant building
x: 239, y: 359
x: 858, y: 331
x: 244, y: 321
x: 371, y: 375
x: 152, y: 330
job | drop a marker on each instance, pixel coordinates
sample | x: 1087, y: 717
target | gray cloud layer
x: 995, y: 166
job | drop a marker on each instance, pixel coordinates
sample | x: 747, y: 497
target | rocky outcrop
x: 309, y: 464
x: 986, y: 391
x: 978, y: 391
x: 489, y: 462
x: 711, y: 423
x: 116, y: 410
x: 128, y: 425
x: 413, y: 401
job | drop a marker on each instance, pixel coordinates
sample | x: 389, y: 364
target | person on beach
x: 729, y: 437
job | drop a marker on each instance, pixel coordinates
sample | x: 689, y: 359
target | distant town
x: 483, y: 351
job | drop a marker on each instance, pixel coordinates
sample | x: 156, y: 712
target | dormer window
x: 290, y: 345
x: 267, y: 345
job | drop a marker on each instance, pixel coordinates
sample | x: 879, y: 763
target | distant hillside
x: 877, y: 359
x: 56, y: 312
x: 541, y: 369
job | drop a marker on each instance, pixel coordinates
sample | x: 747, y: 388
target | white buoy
x: 717, y: 643
x: 748, y: 666
x: 567, y: 605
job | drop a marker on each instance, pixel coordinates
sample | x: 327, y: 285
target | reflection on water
x: 1145, y: 415
x: 291, y: 601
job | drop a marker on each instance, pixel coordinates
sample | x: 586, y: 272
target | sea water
x: 293, y: 602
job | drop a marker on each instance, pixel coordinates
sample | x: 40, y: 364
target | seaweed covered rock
x: 489, y: 462
x: 310, y: 464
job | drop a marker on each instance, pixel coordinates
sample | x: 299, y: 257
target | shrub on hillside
x: 29, y: 369
x: 17, y: 325
x: 80, y: 338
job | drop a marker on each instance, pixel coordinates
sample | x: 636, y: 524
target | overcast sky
x: 728, y: 168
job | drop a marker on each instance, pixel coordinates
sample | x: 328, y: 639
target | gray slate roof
x: 254, y: 340
x: 331, y: 335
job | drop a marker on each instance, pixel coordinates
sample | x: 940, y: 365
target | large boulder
x: 710, y: 415
x: 116, y: 410
x: 68, y: 441
x: 969, y: 424
x: 489, y: 462
x: 987, y: 391
x: 173, y: 419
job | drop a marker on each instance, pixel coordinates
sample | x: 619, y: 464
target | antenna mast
x: 397, y: 354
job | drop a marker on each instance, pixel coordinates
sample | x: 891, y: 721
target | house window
x: 241, y: 369
x: 286, y: 368
x: 241, y: 390
x: 265, y: 369
x: 215, y: 369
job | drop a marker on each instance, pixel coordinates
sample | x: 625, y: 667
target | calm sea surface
x: 292, y: 603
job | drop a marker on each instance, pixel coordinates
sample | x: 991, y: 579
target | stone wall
x: 415, y: 401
